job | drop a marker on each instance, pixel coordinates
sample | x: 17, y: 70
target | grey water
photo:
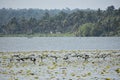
x: 58, y: 43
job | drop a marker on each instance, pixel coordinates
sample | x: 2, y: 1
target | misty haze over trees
x: 78, y: 22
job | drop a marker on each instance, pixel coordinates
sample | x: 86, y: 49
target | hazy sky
x: 59, y: 4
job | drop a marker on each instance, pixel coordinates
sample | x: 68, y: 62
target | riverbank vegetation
x: 39, y: 35
x: 55, y: 22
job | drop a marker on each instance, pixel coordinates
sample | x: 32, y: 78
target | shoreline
x: 92, y: 50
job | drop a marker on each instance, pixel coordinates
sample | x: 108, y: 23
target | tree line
x: 79, y: 22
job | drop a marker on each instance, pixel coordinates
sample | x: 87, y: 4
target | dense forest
x: 77, y: 22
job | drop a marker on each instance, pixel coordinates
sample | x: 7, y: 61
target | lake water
x: 58, y: 43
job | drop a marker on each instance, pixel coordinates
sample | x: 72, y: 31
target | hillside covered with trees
x: 76, y: 22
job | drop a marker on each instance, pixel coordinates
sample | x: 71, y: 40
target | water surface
x: 58, y: 43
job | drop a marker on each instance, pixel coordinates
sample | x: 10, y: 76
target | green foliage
x: 85, y: 29
x: 58, y: 22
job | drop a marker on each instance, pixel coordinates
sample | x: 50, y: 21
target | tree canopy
x: 78, y: 22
